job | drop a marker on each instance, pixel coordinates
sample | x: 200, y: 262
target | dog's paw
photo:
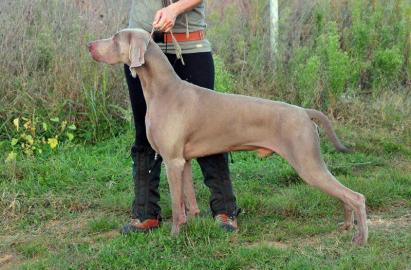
x: 175, y: 230
x: 193, y: 213
x: 359, y: 240
x: 345, y: 227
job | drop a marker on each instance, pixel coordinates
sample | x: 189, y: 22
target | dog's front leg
x: 175, y: 168
x: 189, y: 193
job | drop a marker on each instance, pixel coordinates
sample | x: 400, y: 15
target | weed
x: 35, y: 136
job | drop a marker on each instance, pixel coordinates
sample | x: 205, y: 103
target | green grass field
x: 64, y: 211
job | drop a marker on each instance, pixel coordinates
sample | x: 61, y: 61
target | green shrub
x: 320, y: 73
x: 305, y: 76
x: 336, y: 64
x: 325, y: 49
x: 377, y: 41
x: 224, y: 80
x: 387, y: 65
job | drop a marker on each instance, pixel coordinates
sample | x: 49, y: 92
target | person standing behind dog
x: 186, y: 19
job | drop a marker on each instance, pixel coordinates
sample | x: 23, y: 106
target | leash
x: 177, y: 47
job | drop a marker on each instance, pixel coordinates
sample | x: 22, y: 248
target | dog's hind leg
x: 348, y: 218
x: 303, y: 152
x: 352, y: 200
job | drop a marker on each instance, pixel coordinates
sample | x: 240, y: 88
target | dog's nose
x: 90, y: 46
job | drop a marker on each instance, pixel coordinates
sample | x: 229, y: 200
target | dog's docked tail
x: 323, y: 120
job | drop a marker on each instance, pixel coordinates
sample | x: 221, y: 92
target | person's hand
x: 164, y: 19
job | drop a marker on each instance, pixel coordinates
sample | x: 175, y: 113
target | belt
x: 180, y: 37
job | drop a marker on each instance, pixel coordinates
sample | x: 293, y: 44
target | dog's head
x: 127, y: 47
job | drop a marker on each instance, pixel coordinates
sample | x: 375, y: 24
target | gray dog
x: 185, y: 121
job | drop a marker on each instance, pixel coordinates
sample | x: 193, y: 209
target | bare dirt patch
x: 6, y: 259
x: 9, y: 261
x: 375, y: 222
x: 400, y: 221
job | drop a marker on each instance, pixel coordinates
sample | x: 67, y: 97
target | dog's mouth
x: 95, y: 56
x: 92, y: 48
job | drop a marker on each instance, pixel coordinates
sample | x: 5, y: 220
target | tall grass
x: 329, y: 52
x: 45, y: 69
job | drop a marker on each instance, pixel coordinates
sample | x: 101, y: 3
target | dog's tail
x: 323, y: 120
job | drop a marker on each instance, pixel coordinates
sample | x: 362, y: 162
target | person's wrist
x: 173, y: 9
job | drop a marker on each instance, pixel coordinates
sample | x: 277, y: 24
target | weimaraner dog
x: 185, y: 121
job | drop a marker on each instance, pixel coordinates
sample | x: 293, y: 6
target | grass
x: 64, y: 211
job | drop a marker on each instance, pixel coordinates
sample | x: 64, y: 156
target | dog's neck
x: 156, y: 75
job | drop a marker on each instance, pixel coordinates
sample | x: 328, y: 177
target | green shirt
x: 142, y: 16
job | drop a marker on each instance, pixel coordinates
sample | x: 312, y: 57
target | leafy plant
x: 387, y: 64
x: 33, y: 136
x: 336, y: 63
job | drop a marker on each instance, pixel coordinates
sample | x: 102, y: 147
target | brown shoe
x: 226, y: 222
x: 137, y: 226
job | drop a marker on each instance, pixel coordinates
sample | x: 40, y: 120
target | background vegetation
x: 329, y: 52
x: 65, y: 134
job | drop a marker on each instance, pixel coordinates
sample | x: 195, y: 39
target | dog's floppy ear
x: 138, y: 47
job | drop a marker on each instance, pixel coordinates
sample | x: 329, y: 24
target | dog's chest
x: 149, y: 133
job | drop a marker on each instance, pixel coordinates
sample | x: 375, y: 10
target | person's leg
x: 146, y: 170
x: 199, y: 70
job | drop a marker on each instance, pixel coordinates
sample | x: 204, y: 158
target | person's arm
x: 165, y: 18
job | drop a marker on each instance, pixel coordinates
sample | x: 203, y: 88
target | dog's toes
x: 194, y: 212
x: 175, y: 230
x: 359, y: 240
x: 345, y: 227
